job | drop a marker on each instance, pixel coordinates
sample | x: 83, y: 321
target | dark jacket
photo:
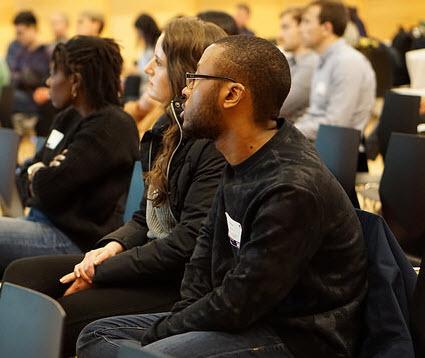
x: 282, y: 246
x: 389, y: 297
x: 84, y: 196
x: 194, y: 174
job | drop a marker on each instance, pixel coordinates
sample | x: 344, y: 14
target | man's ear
x: 235, y: 92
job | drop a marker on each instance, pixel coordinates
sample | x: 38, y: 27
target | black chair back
x: 400, y: 114
x: 6, y: 106
x: 338, y: 148
x: 31, y: 323
x: 402, y: 191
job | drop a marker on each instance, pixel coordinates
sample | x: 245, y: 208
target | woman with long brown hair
x: 138, y: 267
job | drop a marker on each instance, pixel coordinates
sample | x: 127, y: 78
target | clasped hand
x: 82, y: 276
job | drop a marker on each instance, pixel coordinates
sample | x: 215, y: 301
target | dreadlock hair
x: 268, y: 82
x: 185, y: 39
x: 99, y: 63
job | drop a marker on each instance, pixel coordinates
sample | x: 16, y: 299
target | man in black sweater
x: 279, y: 269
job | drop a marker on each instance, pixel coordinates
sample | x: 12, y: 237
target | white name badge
x: 234, y: 231
x: 321, y: 88
x: 54, y: 139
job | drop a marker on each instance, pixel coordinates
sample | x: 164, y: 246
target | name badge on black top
x: 234, y: 231
x: 54, y: 139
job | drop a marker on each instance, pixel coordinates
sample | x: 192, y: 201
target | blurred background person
x: 147, y: 35
x: 145, y: 110
x: 344, y: 85
x: 59, y: 23
x: 28, y: 61
x: 221, y: 19
x: 302, y: 63
x: 90, y: 23
x: 4, y: 74
x: 242, y: 16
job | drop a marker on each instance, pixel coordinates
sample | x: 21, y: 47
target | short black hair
x: 25, y: 18
x: 147, y: 26
x: 334, y: 12
x: 221, y: 19
x: 261, y: 67
x: 99, y: 63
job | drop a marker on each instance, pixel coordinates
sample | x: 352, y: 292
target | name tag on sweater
x: 54, y: 139
x: 234, y: 231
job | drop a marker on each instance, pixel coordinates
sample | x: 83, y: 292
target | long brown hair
x: 185, y: 39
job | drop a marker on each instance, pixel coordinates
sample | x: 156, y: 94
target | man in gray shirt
x: 302, y: 63
x: 343, y: 86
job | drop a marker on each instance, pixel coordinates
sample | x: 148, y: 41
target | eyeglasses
x: 192, y: 77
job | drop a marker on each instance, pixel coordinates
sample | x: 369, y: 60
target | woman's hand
x: 34, y: 169
x: 57, y: 160
x: 85, y: 269
x: 78, y: 285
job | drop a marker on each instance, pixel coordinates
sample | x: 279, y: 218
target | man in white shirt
x: 302, y: 62
x: 343, y: 86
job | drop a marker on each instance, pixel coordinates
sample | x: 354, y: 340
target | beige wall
x: 382, y: 17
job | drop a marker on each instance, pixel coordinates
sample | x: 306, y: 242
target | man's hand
x: 85, y: 269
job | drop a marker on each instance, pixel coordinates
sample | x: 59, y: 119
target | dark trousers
x: 43, y: 273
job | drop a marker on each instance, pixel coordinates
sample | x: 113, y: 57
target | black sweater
x: 195, y: 172
x: 85, y: 196
x: 300, y: 265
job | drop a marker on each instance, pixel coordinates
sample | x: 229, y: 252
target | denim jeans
x: 104, y: 337
x: 33, y: 235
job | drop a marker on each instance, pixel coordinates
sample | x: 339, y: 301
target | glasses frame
x: 192, y: 77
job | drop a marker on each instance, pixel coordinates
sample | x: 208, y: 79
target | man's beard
x: 203, y: 121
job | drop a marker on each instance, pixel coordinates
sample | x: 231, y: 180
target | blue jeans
x: 104, y: 337
x: 33, y: 235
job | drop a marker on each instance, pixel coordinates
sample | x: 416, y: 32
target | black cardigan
x: 195, y: 172
x: 84, y: 196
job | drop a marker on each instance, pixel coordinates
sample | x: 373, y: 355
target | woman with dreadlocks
x: 138, y: 268
x: 76, y: 184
